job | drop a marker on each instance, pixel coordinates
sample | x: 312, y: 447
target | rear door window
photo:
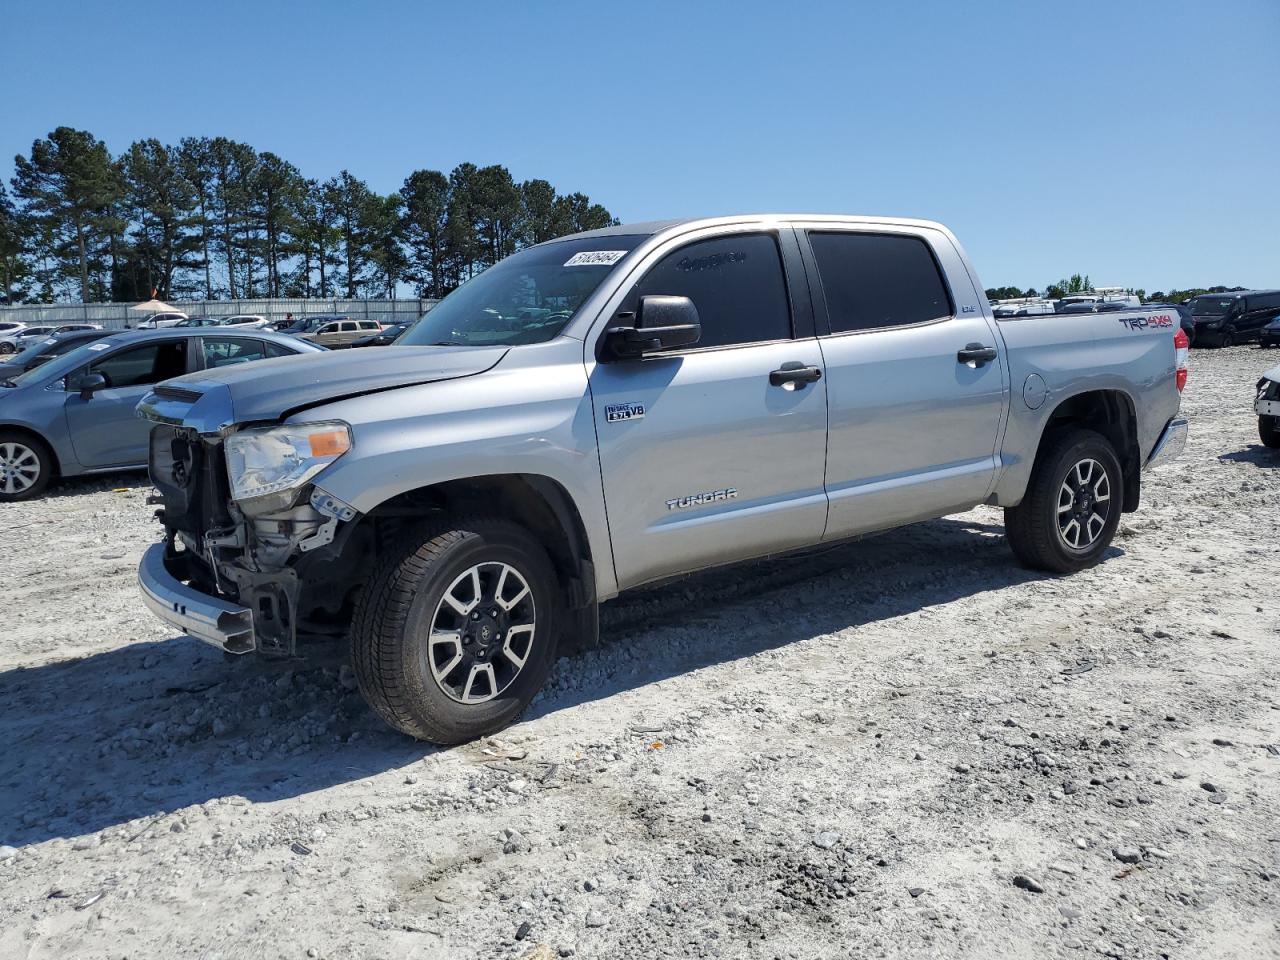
x: 873, y: 280
x: 736, y: 282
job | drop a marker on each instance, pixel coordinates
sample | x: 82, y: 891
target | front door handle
x: 796, y: 374
x: 977, y: 354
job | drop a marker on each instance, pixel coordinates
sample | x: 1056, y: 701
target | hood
x: 270, y: 390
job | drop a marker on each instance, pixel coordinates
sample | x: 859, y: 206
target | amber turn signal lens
x: 331, y: 443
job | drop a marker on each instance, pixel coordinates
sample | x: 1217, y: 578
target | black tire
x: 7, y: 348
x: 401, y: 604
x: 1033, y: 527
x: 1228, y: 339
x: 20, y: 454
x: 1269, y: 431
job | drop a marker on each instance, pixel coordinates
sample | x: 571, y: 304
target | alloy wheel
x: 482, y: 632
x: 19, y: 467
x: 1084, y: 504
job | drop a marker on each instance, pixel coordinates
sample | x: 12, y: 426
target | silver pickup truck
x: 620, y: 407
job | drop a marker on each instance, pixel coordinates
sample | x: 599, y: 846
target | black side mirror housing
x: 89, y: 384
x: 661, y: 323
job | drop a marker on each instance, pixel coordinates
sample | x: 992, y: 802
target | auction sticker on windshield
x: 595, y: 258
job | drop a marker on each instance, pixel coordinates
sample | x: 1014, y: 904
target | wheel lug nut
x: 475, y: 616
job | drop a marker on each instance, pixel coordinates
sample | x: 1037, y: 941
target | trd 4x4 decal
x: 1142, y: 323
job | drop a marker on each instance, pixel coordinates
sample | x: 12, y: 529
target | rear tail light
x: 1181, y: 353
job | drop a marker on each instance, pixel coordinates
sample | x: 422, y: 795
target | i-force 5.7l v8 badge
x: 614, y: 412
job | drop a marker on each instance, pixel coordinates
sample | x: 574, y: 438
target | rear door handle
x: 794, y: 373
x: 977, y: 354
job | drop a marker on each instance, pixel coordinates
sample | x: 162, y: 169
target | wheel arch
x: 537, y: 502
x: 39, y: 438
x: 1112, y: 413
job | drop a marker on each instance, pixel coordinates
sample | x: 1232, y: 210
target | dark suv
x: 1234, y: 317
x: 1270, y: 336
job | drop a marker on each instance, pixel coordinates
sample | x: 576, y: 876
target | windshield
x: 62, y: 365
x: 33, y: 350
x: 526, y: 298
x: 1212, y: 306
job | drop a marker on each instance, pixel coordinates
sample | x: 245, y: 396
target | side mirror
x: 661, y: 323
x: 89, y: 384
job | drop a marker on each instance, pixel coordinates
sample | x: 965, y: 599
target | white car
x: 250, y: 320
x: 12, y: 341
x: 158, y: 321
x: 18, y: 340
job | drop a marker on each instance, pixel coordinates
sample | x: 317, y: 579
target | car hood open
x: 270, y: 390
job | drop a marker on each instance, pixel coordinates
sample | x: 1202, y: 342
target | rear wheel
x: 26, y: 466
x: 1269, y: 431
x: 7, y: 348
x: 1071, y: 509
x: 457, y: 629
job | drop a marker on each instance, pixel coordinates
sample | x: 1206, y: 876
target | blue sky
x: 1138, y: 142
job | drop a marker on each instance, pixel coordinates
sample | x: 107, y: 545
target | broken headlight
x: 270, y: 459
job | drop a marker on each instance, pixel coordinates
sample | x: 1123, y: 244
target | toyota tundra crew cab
x: 623, y: 406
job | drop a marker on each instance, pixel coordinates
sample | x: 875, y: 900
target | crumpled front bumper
x: 228, y: 626
x: 1267, y: 403
x: 1170, y: 445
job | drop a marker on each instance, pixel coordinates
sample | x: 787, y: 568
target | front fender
x: 532, y: 416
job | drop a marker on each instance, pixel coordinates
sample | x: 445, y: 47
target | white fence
x: 118, y: 316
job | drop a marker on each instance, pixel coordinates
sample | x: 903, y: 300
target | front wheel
x: 1269, y: 431
x: 457, y: 629
x: 26, y: 467
x: 1228, y: 339
x: 1071, y: 509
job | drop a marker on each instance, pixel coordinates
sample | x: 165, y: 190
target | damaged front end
x: 246, y: 528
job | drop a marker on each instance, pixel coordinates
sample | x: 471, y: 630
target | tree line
x: 1078, y: 283
x: 213, y: 218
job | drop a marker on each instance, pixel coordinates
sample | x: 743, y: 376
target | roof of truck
x: 650, y: 227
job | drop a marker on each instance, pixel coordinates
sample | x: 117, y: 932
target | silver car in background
x: 75, y: 414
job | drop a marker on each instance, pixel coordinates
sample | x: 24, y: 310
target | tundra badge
x: 698, y: 499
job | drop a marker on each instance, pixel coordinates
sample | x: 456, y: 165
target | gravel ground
x: 903, y: 747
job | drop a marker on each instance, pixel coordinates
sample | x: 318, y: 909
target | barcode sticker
x: 595, y: 258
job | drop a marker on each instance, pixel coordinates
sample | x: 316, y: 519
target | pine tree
x: 67, y: 187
